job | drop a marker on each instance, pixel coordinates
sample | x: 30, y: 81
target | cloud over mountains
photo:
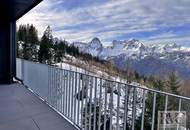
x: 149, y: 20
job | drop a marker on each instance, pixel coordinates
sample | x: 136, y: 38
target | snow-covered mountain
x: 155, y: 59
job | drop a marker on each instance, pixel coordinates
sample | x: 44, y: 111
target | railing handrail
x: 110, y: 80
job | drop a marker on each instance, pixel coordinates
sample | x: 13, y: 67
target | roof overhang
x: 11, y: 10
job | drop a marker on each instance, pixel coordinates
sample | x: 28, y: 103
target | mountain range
x: 149, y: 60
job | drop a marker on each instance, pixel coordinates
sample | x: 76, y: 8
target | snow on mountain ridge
x: 132, y: 48
x: 163, y: 58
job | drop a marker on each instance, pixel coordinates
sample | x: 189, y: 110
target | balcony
x: 51, y: 98
x: 22, y: 110
x: 94, y: 103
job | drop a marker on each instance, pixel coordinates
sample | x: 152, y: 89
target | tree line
x: 46, y: 49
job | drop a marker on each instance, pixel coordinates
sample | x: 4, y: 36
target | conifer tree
x: 46, y: 45
x: 27, y: 41
x: 159, y: 85
x: 33, y: 41
x: 173, y: 85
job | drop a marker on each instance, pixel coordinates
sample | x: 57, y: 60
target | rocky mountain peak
x: 95, y: 43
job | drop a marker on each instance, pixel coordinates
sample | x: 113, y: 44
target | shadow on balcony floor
x: 22, y: 110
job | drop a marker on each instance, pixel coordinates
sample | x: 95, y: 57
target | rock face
x: 147, y: 60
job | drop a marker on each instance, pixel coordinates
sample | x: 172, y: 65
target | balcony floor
x: 22, y: 110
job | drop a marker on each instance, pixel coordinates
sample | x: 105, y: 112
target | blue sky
x: 150, y: 21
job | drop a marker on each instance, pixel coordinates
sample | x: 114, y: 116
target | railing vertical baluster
x: 78, y: 97
x: 166, y: 103
x: 134, y: 108
x: 56, y: 88
x: 59, y: 85
x: 75, y: 98
x: 153, y: 112
x: 118, y: 105
x: 52, y: 98
x: 64, y: 92
x: 53, y: 88
x: 60, y: 91
x: 100, y: 105
x: 65, y: 77
x: 50, y: 85
x: 126, y: 108
x: 90, y: 108
x: 86, y: 101
x: 105, y: 106
x: 49, y: 79
x: 111, y: 104
x: 72, y: 95
x: 69, y: 95
x: 143, y: 110
x: 47, y: 96
x: 56, y: 84
x: 179, y: 109
x: 59, y: 97
x: 22, y: 70
x: 165, y: 108
x: 95, y: 96
x: 67, y: 86
x: 82, y: 102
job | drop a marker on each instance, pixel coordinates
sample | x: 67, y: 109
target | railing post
x: 64, y: 96
x: 72, y: 96
x: 165, y: 109
x: 153, y: 112
x: 134, y: 108
x: 95, y: 96
x: 82, y: 109
x: 118, y: 105
x: 86, y: 101
x: 105, y: 106
x: 90, y: 108
x: 111, y: 103
x: 179, y: 109
x: 79, y: 98
x: 100, y: 105
x: 75, y: 98
x: 22, y: 70
x: 143, y: 110
x: 67, y: 86
x: 126, y: 107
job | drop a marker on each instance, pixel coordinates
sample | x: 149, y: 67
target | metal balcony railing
x: 94, y: 103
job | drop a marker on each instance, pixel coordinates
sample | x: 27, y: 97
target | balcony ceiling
x: 14, y: 9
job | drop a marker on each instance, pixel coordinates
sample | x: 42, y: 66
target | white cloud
x: 109, y: 19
